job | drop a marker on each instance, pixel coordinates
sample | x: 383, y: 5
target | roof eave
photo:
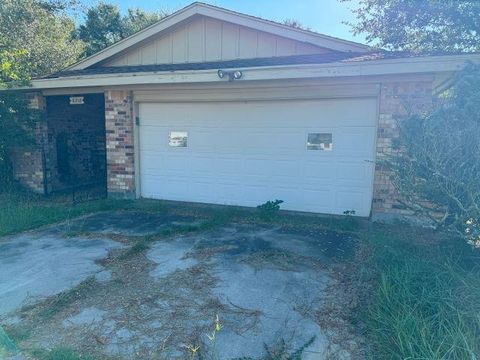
x: 425, y: 65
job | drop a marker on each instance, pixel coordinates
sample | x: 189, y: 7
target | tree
x: 420, y: 25
x: 104, y: 25
x: 15, y: 119
x: 437, y: 159
x: 35, y: 39
x: 137, y: 19
x: 295, y: 24
x: 42, y: 29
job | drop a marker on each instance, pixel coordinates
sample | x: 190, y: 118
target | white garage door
x: 316, y: 156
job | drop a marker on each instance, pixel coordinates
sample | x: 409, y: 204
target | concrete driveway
x: 268, y: 284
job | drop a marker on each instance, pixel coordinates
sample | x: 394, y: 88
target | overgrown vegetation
x: 437, y: 162
x: 21, y: 211
x: 423, y: 287
x: 59, y: 354
x: 425, y: 295
x: 209, y: 220
x: 56, y: 304
x: 6, y: 344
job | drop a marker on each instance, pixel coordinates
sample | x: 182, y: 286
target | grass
x: 57, y: 303
x: 425, y: 300
x: 421, y: 289
x: 6, y: 343
x: 23, y: 211
x: 215, y: 218
x: 59, y: 354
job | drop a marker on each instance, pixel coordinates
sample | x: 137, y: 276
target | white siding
x: 207, y: 39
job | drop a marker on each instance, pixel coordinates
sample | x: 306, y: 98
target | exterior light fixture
x: 232, y: 75
x: 237, y: 75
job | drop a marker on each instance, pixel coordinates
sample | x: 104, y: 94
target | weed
x: 17, y: 333
x: 6, y: 343
x: 269, y: 210
x: 59, y: 354
x: 281, y: 351
x: 57, y: 303
x: 216, y: 219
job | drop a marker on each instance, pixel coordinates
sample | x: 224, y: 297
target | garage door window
x: 178, y: 139
x: 320, y: 141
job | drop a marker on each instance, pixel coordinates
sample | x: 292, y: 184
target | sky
x: 323, y: 16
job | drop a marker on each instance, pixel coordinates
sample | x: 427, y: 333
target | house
x: 213, y: 106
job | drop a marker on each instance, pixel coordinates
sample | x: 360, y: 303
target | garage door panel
x: 354, y: 173
x: 199, y: 165
x: 290, y: 168
x: 174, y: 164
x: 249, y: 153
x: 352, y: 200
x: 320, y: 170
x: 202, y: 191
x: 156, y: 186
x: 323, y: 199
x: 355, y: 142
x: 152, y: 138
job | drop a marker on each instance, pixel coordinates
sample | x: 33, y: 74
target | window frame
x: 169, y: 144
x: 319, y: 132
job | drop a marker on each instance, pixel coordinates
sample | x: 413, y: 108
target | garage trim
x: 285, y: 92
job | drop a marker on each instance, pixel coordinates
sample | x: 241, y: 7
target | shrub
x: 269, y: 210
x: 436, y: 162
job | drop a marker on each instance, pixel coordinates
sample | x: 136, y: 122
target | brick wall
x: 120, y: 143
x: 397, y: 100
x: 28, y: 168
x: 28, y: 162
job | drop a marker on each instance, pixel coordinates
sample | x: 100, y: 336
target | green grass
x: 6, y: 343
x: 425, y: 300
x: 59, y: 354
x: 212, y: 218
x: 21, y: 211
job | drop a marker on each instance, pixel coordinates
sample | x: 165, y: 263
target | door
x: 316, y: 156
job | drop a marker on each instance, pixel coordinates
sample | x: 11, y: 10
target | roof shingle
x: 333, y: 57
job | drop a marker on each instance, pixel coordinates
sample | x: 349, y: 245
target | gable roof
x: 211, y: 11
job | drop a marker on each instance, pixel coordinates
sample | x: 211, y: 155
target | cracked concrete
x: 265, y: 284
x: 38, y: 265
